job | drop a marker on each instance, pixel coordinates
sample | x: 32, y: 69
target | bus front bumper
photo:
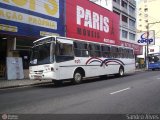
x: 43, y: 76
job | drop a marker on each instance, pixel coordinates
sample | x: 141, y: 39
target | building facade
x: 149, y: 19
x: 22, y: 22
x: 126, y: 9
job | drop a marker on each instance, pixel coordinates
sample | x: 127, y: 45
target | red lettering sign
x: 88, y: 21
x: 138, y: 49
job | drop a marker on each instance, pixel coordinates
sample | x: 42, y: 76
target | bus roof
x: 154, y: 53
x: 74, y: 39
x: 43, y: 38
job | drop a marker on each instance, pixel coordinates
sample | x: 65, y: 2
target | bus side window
x: 116, y: 52
x: 77, y: 51
x: 120, y: 53
x: 131, y: 53
x: 113, y: 52
x: 81, y: 49
x: 108, y: 51
x: 128, y: 53
x: 125, y: 53
x: 84, y: 50
x: 97, y: 50
x: 105, y: 50
x: 94, y: 50
x: 64, y: 52
x: 91, y: 50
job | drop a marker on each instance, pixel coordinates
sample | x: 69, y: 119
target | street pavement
x: 133, y: 94
x: 132, y: 97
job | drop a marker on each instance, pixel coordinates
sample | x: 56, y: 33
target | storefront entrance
x: 3, y: 54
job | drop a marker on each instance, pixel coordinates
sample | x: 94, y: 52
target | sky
x: 137, y: 0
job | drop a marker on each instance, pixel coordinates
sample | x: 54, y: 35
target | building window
x: 146, y: 26
x: 131, y: 36
x: 131, y: 23
x: 140, y: 14
x: 124, y: 19
x: 117, y: 1
x: 116, y: 12
x: 146, y: 21
x: 146, y: 10
x: 145, y: 1
x: 131, y: 9
x: 145, y: 15
x: 124, y: 34
x: 124, y: 4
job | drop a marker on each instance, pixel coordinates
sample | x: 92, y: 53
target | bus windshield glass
x: 41, y: 54
x: 154, y: 58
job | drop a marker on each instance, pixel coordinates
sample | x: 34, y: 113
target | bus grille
x: 38, y: 72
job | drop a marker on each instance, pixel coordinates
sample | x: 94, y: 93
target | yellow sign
x: 27, y: 19
x: 47, y: 7
x: 44, y: 33
x: 8, y: 28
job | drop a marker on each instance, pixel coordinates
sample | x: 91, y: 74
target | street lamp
x: 146, y: 50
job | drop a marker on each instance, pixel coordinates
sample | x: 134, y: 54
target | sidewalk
x: 27, y: 82
x: 19, y: 83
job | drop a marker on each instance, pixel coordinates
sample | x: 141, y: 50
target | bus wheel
x: 121, y: 72
x: 77, y: 78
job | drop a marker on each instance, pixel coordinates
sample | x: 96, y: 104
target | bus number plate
x: 37, y: 77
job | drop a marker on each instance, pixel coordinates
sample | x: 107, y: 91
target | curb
x: 25, y: 85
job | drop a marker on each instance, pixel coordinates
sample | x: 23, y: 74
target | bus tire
x: 77, y: 77
x: 120, y: 72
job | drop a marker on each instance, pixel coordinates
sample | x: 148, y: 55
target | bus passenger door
x: 64, y: 57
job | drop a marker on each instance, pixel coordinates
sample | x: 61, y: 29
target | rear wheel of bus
x: 77, y: 77
x: 120, y: 72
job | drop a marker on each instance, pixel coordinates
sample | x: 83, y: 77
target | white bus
x: 61, y: 58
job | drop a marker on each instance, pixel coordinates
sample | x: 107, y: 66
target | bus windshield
x: 41, y: 54
x: 154, y: 58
